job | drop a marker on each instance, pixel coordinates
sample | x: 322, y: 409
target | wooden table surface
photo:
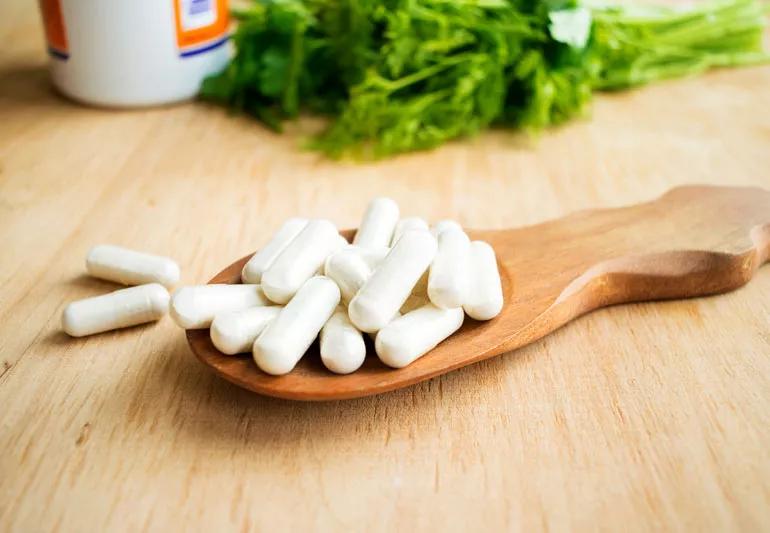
x: 637, y: 418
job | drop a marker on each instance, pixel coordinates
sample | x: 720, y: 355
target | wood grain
x: 636, y: 418
x: 552, y: 273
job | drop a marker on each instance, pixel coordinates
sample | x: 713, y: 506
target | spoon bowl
x: 692, y: 241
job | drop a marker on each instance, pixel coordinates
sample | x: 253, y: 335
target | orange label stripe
x: 55, y: 32
x: 194, y: 37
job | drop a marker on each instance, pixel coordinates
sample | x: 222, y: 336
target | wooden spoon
x: 693, y: 241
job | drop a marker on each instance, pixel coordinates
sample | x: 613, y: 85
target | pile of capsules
x: 406, y: 285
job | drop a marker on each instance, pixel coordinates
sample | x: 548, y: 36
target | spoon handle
x: 693, y: 241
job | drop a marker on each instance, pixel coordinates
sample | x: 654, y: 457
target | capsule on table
x: 235, y: 331
x: 406, y: 224
x: 377, y: 225
x: 118, y: 309
x: 484, y: 296
x: 443, y: 225
x: 265, y: 256
x: 129, y: 267
x: 286, y: 339
x: 342, y: 346
x: 448, y: 277
x: 195, y: 307
x: 414, y: 334
x: 300, y: 260
x: 386, y: 290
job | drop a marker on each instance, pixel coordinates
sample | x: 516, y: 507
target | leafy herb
x: 399, y: 75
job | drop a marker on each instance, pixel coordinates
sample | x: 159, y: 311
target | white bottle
x: 138, y: 53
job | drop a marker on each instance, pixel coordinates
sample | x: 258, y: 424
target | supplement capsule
x: 349, y: 271
x: 484, y: 297
x: 195, y: 307
x: 448, y: 278
x: 300, y: 260
x: 286, y: 339
x: 372, y: 256
x: 118, y: 309
x: 129, y: 267
x: 235, y: 331
x: 445, y: 224
x: 376, y: 229
x: 386, y: 290
x: 413, y: 335
x: 264, y: 257
x: 406, y: 224
x: 342, y: 346
x: 351, y: 267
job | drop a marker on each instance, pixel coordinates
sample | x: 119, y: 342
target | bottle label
x: 55, y: 32
x: 201, y: 25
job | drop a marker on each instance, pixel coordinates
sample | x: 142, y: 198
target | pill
x: 118, y: 309
x: 376, y: 229
x: 129, y: 267
x: 286, y: 339
x: 300, y: 260
x: 445, y: 224
x: 414, y: 334
x: 408, y: 223
x: 372, y: 256
x: 484, y: 297
x: 389, y: 286
x: 196, y: 306
x: 448, y: 275
x: 342, y: 346
x: 264, y: 257
x: 351, y: 267
x: 349, y: 271
x: 234, y: 332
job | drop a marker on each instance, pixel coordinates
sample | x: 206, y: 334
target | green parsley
x: 400, y: 75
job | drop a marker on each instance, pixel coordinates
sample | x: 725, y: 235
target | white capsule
x: 416, y: 333
x: 286, y: 339
x: 386, y: 290
x: 195, y: 307
x: 448, y: 278
x: 406, y: 224
x: 349, y: 271
x: 342, y: 346
x: 300, y: 261
x: 264, y: 257
x: 129, y: 267
x: 445, y: 224
x: 235, y: 331
x: 484, y: 297
x: 118, y: 309
x: 376, y: 229
x: 372, y: 256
